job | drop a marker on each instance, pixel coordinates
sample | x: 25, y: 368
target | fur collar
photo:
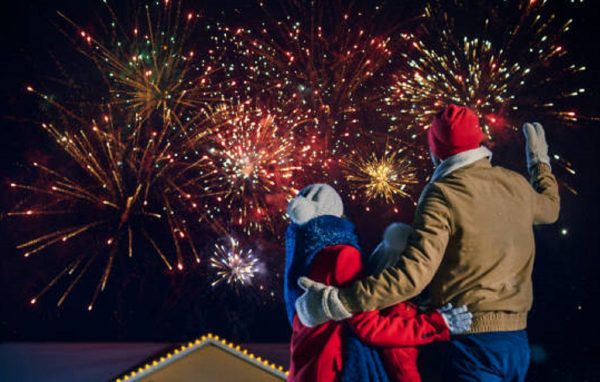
x: 460, y: 160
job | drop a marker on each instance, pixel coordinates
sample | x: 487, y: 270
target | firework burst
x: 317, y: 57
x: 387, y: 176
x: 234, y: 265
x: 257, y: 161
x: 495, y: 73
x: 150, y: 64
x: 183, y: 133
x: 114, y: 188
x: 134, y: 161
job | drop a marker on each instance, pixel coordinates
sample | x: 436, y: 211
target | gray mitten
x: 388, y: 252
x: 459, y: 319
x: 319, y: 303
x: 536, y: 147
x: 396, y: 236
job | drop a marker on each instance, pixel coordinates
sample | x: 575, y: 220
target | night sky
x: 144, y: 304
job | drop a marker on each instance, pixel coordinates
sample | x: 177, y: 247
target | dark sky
x: 152, y: 307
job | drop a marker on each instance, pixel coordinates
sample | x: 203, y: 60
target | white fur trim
x: 460, y: 160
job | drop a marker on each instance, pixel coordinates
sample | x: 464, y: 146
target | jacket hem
x: 498, y: 322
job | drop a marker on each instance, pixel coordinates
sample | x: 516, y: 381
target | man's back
x: 488, y: 261
x: 473, y: 241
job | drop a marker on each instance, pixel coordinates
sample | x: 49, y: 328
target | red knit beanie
x: 453, y: 130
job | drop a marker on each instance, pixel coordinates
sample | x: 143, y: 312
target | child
x: 322, y: 245
x: 401, y: 361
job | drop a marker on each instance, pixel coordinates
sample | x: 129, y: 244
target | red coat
x: 316, y: 353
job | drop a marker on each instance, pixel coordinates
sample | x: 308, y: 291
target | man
x: 472, y: 244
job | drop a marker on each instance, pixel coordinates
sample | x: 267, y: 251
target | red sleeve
x: 379, y: 329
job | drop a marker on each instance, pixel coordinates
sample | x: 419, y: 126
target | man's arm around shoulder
x: 417, y: 266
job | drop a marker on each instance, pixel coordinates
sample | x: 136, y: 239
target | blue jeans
x: 487, y: 357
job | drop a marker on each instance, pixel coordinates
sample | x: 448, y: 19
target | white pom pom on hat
x: 313, y: 201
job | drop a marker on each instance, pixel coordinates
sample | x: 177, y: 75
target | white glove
x: 388, y: 252
x: 319, y: 303
x: 536, y: 147
x: 459, y: 319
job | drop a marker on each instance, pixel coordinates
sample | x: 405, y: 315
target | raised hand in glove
x: 319, y: 303
x: 459, y: 319
x: 536, y: 147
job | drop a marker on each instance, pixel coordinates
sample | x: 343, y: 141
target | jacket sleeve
x: 391, y: 330
x: 546, y: 201
x: 426, y: 248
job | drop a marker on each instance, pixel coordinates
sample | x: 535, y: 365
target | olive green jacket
x: 473, y: 244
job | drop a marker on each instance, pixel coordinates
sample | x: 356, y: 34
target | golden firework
x: 385, y: 176
x: 118, y: 189
x: 498, y: 73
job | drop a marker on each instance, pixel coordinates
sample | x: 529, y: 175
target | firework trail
x: 113, y: 188
x: 132, y: 161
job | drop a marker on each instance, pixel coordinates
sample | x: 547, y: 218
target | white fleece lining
x: 460, y: 160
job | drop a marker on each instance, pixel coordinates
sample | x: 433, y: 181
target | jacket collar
x: 460, y: 160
